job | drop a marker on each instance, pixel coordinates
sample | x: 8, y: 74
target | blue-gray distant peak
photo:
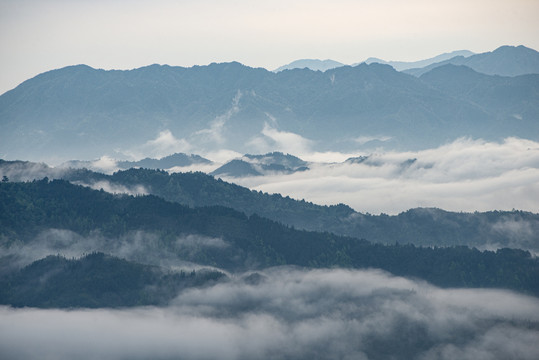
x: 404, y: 65
x: 86, y: 112
x: 312, y: 64
x: 505, y: 61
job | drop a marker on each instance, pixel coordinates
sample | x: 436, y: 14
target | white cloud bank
x: 465, y: 175
x: 164, y: 144
x: 272, y: 139
x: 289, y: 314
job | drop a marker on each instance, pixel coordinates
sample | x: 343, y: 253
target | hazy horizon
x: 40, y: 36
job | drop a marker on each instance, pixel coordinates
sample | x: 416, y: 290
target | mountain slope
x: 405, y: 65
x: 95, y: 281
x: 504, y: 61
x: 497, y: 93
x: 312, y: 64
x: 88, y: 113
x: 256, y: 165
x: 246, y: 243
x: 427, y: 227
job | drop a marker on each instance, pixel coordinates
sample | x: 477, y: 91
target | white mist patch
x: 290, y: 314
x: 199, y: 241
x: 23, y: 171
x: 164, y: 144
x: 214, y: 134
x: 206, y: 168
x: 116, y: 188
x: 105, y: 164
x: 221, y: 156
x: 140, y: 246
x: 362, y: 140
x: 465, y: 175
x: 276, y: 140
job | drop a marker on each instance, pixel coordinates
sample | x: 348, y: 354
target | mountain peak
x: 312, y: 64
x: 504, y: 61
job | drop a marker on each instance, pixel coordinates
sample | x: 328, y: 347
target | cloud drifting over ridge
x: 272, y: 139
x: 293, y: 314
x: 465, y: 175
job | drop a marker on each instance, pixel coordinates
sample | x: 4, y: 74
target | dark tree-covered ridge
x: 253, y: 242
x: 427, y: 227
x: 95, y: 280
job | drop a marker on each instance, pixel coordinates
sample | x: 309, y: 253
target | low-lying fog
x: 465, y: 175
x: 287, y: 313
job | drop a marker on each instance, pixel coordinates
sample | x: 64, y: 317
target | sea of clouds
x: 289, y: 313
x: 464, y: 175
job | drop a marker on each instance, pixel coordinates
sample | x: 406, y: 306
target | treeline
x: 252, y: 242
x: 429, y: 227
x: 94, y: 281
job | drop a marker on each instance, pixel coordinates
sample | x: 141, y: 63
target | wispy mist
x: 140, y: 246
x: 465, y: 175
x: 293, y: 314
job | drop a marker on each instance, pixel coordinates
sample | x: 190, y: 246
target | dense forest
x: 248, y: 242
x: 94, y: 281
x: 420, y: 226
x: 428, y: 227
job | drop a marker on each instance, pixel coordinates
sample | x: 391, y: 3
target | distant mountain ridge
x: 88, y: 113
x: 323, y: 65
x: 167, y: 162
x: 257, y: 165
x: 405, y: 65
x: 504, y: 61
x: 237, y: 243
x: 421, y: 226
x: 312, y: 64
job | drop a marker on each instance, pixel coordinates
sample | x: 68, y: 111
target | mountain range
x: 210, y: 236
x: 88, y: 113
x: 405, y: 65
x: 421, y: 226
x: 503, y: 61
x: 257, y: 165
x: 311, y: 64
x: 142, y: 253
x: 166, y: 162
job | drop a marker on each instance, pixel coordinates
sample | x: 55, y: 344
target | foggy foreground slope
x: 257, y: 309
x: 293, y: 314
x: 419, y: 226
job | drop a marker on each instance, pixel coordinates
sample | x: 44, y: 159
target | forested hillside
x: 245, y: 242
x: 94, y: 281
x: 429, y: 227
x: 88, y: 112
x: 420, y: 226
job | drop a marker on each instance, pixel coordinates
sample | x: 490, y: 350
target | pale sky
x: 41, y: 35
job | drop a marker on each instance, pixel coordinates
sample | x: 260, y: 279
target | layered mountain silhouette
x: 256, y: 165
x: 405, y: 65
x: 504, y: 61
x: 312, y: 64
x: 166, y: 162
x: 81, y: 112
x: 224, y: 237
x: 421, y: 226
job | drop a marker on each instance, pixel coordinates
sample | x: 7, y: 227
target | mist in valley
x: 289, y: 313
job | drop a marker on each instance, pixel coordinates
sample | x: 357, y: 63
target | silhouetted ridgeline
x: 422, y: 226
x: 248, y: 242
x: 94, y: 281
x: 88, y: 112
x: 428, y: 227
